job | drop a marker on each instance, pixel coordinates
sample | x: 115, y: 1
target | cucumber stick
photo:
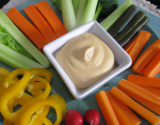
x: 124, y: 41
x: 123, y: 20
x: 15, y: 59
x: 111, y: 19
x: 136, y: 19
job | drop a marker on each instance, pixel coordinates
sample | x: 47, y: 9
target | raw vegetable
x: 92, y: 117
x: 40, y: 23
x: 136, y: 19
x: 138, y: 44
x: 68, y: 15
x: 142, y: 111
x: 144, y: 81
x: 51, y: 17
x: 57, y: 4
x: 123, y: 20
x: 75, y: 5
x: 122, y: 119
x: 141, y: 95
x: 123, y: 42
x: 14, y: 58
x: 105, y: 8
x: 153, y: 67
x: 73, y: 118
x: 89, y: 11
x: 134, y: 120
x: 146, y: 57
x: 111, y: 19
x: 81, y: 8
x: 130, y: 43
x: 153, y: 90
x: 27, y: 28
x: 106, y: 108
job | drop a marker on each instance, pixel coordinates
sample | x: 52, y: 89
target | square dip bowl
x: 122, y: 59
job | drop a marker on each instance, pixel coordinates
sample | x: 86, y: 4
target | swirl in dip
x: 85, y: 59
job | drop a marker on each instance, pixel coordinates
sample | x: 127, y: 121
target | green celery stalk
x: 89, y: 11
x: 16, y: 59
x: 75, y: 5
x: 106, y: 23
x: 81, y: 8
x: 68, y: 15
x: 7, y: 24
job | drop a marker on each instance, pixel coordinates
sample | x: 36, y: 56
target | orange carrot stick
x: 146, y: 57
x: 141, y: 95
x: 138, y: 44
x: 129, y: 44
x: 153, y: 90
x: 153, y: 67
x: 122, y: 119
x: 27, y: 28
x: 106, y: 108
x: 142, y: 111
x: 134, y: 120
x: 40, y: 23
x: 54, y: 21
x: 144, y: 81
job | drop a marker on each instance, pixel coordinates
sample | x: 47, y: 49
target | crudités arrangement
x: 29, y: 85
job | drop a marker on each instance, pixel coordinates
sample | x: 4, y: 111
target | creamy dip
x: 85, y: 59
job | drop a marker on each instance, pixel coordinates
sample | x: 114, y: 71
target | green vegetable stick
x: 81, y: 8
x: 89, y: 12
x: 75, y: 5
x: 68, y: 15
x: 16, y: 60
x: 22, y: 40
x: 106, y: 23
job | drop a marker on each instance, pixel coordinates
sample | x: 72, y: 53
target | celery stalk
x: 75, y: 5
x: 68, y: 15
x: 7, y: 24
x: 106, y: 23
x: 89, y: 11
x: 81, y: 8
x: 16, y: 59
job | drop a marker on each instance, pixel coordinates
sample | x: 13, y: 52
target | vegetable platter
x: 59, y: 87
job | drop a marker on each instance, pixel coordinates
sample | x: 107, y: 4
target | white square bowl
x: 122, y: 59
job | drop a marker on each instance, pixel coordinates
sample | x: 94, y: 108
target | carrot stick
x: 134, y: 120
x: 153, y: 67
x: 106, y: 108
x: 54, y: 21
x: 122, y: 119
x: 153, y: 90
x: 27, y: 28
x: 40, y: 23
x: 138, y: 44
x: 144, y: 81
x: 129, y: 44
x: 146, y: 57
x: 142, y: 111
x: 141, y: 95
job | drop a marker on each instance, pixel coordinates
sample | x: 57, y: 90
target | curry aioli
x: 85, y: 59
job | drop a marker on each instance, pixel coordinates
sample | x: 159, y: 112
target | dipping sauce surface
x: 85, y: 59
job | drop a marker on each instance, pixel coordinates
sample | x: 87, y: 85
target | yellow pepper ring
x: 3, y: 74
x: 26, y: 116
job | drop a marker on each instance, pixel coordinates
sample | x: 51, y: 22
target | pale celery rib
x: 68, y: 15
x: 106, y: 23
x: 23, y: 41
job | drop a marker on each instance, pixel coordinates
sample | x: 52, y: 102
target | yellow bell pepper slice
x: 3, y: 74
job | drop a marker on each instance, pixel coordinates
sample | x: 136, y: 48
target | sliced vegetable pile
x: 79, y: 12
x: 47, y: 25
x: 34, y: 106
x: 16, y: 50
